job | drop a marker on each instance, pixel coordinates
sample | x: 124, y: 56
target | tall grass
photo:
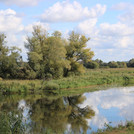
x: 89, y: 79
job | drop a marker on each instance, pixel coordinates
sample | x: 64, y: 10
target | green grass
x: 86, y: 82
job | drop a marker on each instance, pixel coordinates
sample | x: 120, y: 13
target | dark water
x: 73, y: 114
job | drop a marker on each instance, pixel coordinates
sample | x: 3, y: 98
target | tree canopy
x: 77, y: 53
x: 53, y: 56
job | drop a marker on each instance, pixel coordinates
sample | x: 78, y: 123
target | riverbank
x: 73, y: 84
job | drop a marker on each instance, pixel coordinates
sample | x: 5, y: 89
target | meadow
x: 77, y: 84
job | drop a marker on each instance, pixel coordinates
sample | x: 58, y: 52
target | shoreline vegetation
x: 92, y: 80
x: 128, y: 128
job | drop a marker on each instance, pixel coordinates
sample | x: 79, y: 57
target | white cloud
x: 9, y: 22
x: 71, y: 12
x: 104, y: 102
x: 21, y: 2
x: 87, y: 26
x: 117, y: 37
x: 123, y: 6
x: 118, y: 29
x: 128, y: 16
x: 11, y: 25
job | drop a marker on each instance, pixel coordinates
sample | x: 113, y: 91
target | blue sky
x: 109, y: 24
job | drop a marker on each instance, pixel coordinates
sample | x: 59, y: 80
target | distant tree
x: 105, y: 65
x: 92, y: 65
x: 113, y: 64
x: 77, y: 53
x: 131, y: 63
x: 100, y: 62
x: 121, y: 64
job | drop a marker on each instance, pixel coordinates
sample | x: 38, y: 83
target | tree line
x: 94, y: 64
x: 50, y: 56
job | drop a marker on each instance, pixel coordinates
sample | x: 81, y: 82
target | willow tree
x: 9, y: 59
x: 47, y: 55
x: 77, y: 53
x: 3, y: 55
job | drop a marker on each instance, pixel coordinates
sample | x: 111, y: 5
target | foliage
x: 113, y: 64
x: 73, y: 84
x: 50, y: 86
x: 131, y: 63
x: 100, y: 64
x: 47, y: 55
x: 92, y: 65
x: 11, y: 123
x: 11, y: 63
x: 121, y: 64
x: 77, y: 53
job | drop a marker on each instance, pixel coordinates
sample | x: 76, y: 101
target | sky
x: 108, y: 23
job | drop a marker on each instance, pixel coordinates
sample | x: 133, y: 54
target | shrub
x: 50, y: 86
x: 131, y: 63
x: 113, y: 64
x: 92, y: 65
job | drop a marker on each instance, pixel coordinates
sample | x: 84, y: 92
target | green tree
x: 121, y: 64
x: 131, y: 63
x: 3, y: 55
x: 9, y: 59
x: 113, y: 64
x: 37, y: 48
x: 92, y: 65
x: 47, y: 55
x: 56, y: 56
x: 77, y: 53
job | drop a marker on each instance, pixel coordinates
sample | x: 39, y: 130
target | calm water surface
x: 73, y: 114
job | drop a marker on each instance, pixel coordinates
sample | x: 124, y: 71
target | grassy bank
x: 86, y: 82
x: 120, y: 129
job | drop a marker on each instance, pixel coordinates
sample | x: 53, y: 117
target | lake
x: 83, y: 113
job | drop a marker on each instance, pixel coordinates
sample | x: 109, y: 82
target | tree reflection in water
x: 11, y: 119
x: 47, y: 115
x: 62, y: 115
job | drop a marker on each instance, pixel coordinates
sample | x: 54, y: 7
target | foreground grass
x: 120, y: 129
x: 85, y: 82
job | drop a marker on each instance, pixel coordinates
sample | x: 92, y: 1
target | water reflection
x: 60, y: 115
x: 113, y: 105
x: 37, y: 114
x: 49, y: 115
x: 11, y: 118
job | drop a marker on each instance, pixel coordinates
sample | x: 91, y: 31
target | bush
x: 121, y: 64
x: 131, y: 63
x: 1, y: 79
x: 113, y: 64
x: 92, y: 65
x: 50, y: 86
